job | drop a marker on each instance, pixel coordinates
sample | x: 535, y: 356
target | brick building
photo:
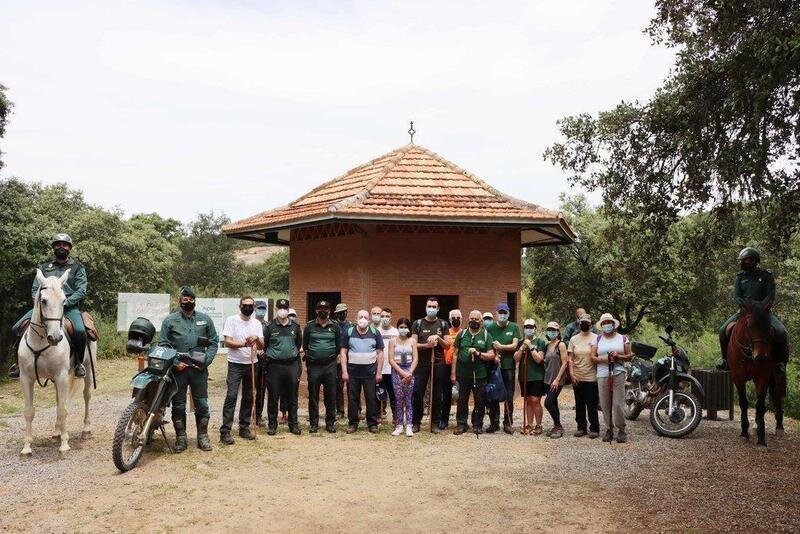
x: 400, y: 228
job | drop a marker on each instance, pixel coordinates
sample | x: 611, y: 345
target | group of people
x: 389, y: 363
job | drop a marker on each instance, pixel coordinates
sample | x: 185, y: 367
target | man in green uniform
x: 181, y: 330
x: 283, y: 340
x: 506, y: 336
x: 322, y: 342
x: 340, y: 316
x: 473, y: 349
x: 754, y: 285
x: 75, y: 291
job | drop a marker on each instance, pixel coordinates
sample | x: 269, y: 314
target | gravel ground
x: 710, y: 481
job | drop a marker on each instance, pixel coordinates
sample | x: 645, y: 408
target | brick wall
x: 385, y: 265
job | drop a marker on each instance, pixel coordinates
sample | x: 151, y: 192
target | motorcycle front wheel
x: 685, y: 417
x: 128, y: 441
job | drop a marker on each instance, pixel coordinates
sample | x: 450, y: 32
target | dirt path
x: 444, y: 483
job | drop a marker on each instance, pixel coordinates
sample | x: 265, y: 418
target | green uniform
x: 182, y: 332
x: 283, y: 344
x: 757, y: 285
x: 74, y: 288
x: 505, y: 336
x: 465, y: 340
x: 535, y: 371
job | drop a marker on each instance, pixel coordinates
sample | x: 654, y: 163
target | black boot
x: 203, y: 443
x: 722, y: 365
x: 180, y: 434
x: 13, y: 371
x: 80, y: 370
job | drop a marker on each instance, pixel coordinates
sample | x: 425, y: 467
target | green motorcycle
x: 153, y: 390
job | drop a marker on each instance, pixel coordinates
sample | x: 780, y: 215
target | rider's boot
x: 13, y: 371
x: 722, y: 365
x: 781, y: 358
x: 180, y: 434
x: 203, y: 442
x: 80, y: 370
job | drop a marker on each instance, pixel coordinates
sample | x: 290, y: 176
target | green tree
x: 5, y: 111
x: 207, y: 260
x: 722, y: 129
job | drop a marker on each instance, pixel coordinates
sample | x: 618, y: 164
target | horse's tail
x: 777, y: 385
x: 77, y: 383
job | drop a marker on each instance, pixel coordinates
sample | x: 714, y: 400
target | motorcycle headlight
x: 155, y: 363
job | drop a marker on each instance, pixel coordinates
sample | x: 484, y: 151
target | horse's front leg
x: 87, y: 396
x: 776, y: 392
x: 743, y: 405
x: 27, y: 390
x: 761, y: 409
x: 62, y: 385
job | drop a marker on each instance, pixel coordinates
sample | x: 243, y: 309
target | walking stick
x: 474, y: 399
x: 253, y: 422
x: 525, y: 392
x: 610, y: 395
x: 433, y: 388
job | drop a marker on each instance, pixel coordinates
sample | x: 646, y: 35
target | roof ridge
x: 513, y: 200
x: 364, y: 193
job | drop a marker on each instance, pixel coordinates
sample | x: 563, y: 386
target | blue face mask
x: 431, y: 312
x: 403, y: 331
x: 552, y: 334
x: 502, y: 317
x: 529, y: 332
x: 261, y: 313
x: 487, y: 323
x: 608, y: 328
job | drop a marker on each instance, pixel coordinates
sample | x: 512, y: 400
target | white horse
x: 44, y: 354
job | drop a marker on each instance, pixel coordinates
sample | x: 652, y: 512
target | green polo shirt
x: 321, y: 342
x: 182, y: 332
x: 505, y: 336
x: 535, y: 370
x: 464, y: 364
x: 283, y: 341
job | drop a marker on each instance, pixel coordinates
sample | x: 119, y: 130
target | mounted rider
x: 75, y: 290
x: 755, y: 285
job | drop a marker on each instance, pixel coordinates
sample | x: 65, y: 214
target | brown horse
x: 750, y: 357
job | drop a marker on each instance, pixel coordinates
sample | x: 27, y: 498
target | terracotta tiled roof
x: 410, y: 183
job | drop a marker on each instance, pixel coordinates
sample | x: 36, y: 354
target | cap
x: 281, y: 303
x: 488, y: 315
x: 323, y: 304
x: 553, y: 325
x: 292, y: 312
x: 502, y: 306
x: 529, y: 322
x: 340, y: 307
x: 585, y: 318
x: 455, y: 313
x: 188, y: 292
x: 61, y: 237
x: 260, y: 304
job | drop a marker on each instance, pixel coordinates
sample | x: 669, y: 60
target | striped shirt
x: 362, y: 349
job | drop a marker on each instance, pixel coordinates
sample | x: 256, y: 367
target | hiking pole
x: 474, y: 398
x: 610, y: 394
x: 253, y: 422
x: 433, y: 387
x: 525, y: 391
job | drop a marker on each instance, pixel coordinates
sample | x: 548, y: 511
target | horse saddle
x: 69, y: 328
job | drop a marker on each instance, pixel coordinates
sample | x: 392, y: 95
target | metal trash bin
x: 719, y: 391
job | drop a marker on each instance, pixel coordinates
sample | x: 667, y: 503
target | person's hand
x: 574, y: 379
x: 453, y: 379
x: 433, y: 340
x: 250, y: 340
x: 407, y: 379
x: 496, y: 345
x: 378, y: 378
x: 473, y: 351
x: 345, y: 377
x: 496, y: 358
x: 528, y: 343
x: 180, y: 366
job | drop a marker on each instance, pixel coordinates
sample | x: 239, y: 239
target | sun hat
x: 607, y: 317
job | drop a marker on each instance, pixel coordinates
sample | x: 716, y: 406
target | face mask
x: 502, y: 317
x: 261, y: 313
x: 363, y: 322
x: 529, y: 332
x: 187, y: 306
x: 456, y: 322
x: 247, y: 310
x: 487, y: 323
x: 585, y: 327
x: 474, y: 324
x: 608, y: 328
x: 341, y: 317
x: 386, y: 321
x: 403, y: 332
x: 322, y: 314
x: 282, y: 313
x: 551, y: 335
x: 61, y: 253
x: 431, y: 312
x: 376, y: 318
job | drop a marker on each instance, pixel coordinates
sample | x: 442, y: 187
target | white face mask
x: 376, y: 318
x: 282, y: 313
x: 363, y: 322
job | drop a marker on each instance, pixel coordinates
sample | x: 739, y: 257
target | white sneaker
x: 409, y: 432
x: 398, y: 430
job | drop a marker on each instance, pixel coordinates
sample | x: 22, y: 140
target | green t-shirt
x: 505, y: 336
x: 465, y: 367
x: 535, y: 371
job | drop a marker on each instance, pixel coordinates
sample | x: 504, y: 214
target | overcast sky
x: 187, y: 107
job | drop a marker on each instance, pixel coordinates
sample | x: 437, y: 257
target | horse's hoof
x: 86, y: 434
x: 745, y: 439
x: 779, y: 432
x: 63, y: 448
x: 762, y: 446
x: 26, y: 452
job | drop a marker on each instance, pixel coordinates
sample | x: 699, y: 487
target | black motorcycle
x: 153, y: 390
x: 665, y: 387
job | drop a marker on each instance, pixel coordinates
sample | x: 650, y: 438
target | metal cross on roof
x: 411, y: 132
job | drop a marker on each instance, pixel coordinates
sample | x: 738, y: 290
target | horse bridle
x: 43, y: 324
x: 747, y: 351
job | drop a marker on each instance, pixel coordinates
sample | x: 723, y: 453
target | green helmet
x: 61, y: 237
x: 749, y: 252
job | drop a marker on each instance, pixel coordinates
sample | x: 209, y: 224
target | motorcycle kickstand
x: 164, y: 433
